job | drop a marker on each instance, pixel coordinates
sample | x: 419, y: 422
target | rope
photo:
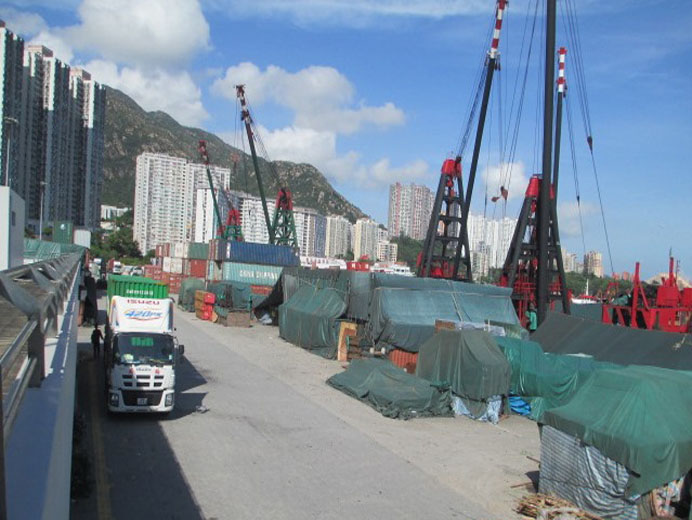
x: 574, y: 171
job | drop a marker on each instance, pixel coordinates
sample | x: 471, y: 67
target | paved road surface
x: 275, y: 442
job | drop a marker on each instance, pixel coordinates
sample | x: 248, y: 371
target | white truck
x: 141, y: 355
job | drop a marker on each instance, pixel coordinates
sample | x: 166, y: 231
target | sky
x: 377, y: 92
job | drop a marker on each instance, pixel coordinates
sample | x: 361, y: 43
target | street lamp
x: 42, y: 184
x: 7, y: 120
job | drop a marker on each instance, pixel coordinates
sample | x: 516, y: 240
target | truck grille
x: 130, y: 397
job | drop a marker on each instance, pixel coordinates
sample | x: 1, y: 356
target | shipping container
x: 176, y: 265
x: 166, y: 266
x: 62, y: 231
x: 214, y: 271
x: 178, y: 249
x: 174, y: 281
x: 253, y: 274
x: 135, y: 287
x: 82, y: 237
x: 404, y: 359
x: 195, y: 268
x: 198, y: 251
x: 250, y: 253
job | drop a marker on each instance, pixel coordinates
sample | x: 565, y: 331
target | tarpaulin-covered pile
x: 637, y: 416
x: 470, y: 362
x: 584, y: 476
x: 405, y: 317
x: 234, y: 295
x: 563, y: 334
x: 186, y: 296
x: 391, y: 391
x: 309, y: 319
x: 545, y: 380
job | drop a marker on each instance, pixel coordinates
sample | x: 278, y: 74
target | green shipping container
x: 253, y: 274
x: 62, y: 231
x: 135, y: 287
x: 198, y: 251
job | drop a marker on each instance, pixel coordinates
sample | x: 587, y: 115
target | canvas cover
x: 562, y: 334
x: 309, y: 319
x: 186, y: 295
x: 584, y: 476
x: 637, y: 416
x: 391, y: 391
x: 469, y: 361
x: 545, y: 380
x: 405, y: 318
x: 233, y: 295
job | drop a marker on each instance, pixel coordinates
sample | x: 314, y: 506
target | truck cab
x: 141, y: 355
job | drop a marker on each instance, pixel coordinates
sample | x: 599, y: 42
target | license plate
x: 141, y: 401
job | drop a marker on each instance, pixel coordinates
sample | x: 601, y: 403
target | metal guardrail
x: 31, y: 298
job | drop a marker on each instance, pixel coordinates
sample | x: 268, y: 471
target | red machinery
x: 671, y: 312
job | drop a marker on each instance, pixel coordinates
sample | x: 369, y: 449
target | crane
x: 446, y: 244
x: 282, y: 229
x: 231, y: 230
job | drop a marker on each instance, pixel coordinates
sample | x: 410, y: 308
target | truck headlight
x: 169, y: 400
x: 114, y: 399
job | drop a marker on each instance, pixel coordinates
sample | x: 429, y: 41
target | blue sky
x: 377, y: 92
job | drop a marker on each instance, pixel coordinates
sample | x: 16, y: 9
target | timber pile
x: 349, y: 342
x: 547, y: 507
x: 236, y: 319
x: 204, y: 305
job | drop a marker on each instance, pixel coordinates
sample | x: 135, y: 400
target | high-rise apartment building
x: 206, y: 223
x: 51, y: 134
x: 254, y: 225
x: 387, y: 251
x: 569, y: 261
x: 492, y: 237
x: 593, y: 263
x: 338, y: 236
x: 166, y: 190
x: 409, y: 210
x: 311, y: 230
x: 365, y: 239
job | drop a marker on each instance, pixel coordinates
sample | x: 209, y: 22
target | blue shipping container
x: 252, y: 274
x: 266, y: 254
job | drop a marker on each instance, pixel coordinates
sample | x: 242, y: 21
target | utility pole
x: 544, y: 203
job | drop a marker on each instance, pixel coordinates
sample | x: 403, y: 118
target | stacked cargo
x: 153, y: 272
x: 195, y: 263
x: 259, y: 265
x: 204, y: 305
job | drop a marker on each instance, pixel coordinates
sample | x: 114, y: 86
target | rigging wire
x: 574, y: 171
x: 574, y: 38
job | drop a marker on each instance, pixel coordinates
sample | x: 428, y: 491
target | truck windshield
x: 143, y: 349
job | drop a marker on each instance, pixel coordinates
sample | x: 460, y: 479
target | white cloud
x: 510, y: 175
x: 568, y: 217
x: 22, y: 23
x: 321, y: 98
x: 318, y: 148
x: 155, y: 32
x: 171, y: 92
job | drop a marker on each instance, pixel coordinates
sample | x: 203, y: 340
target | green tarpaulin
x: 468, y: 360
x: 186, y: 296
x: 405, y: 318
x: 232, y: 295
x: 563, y: 334
x: 391, y: 391
x: 640, y: 417
x: 309, y: 319
x: 546, y: 380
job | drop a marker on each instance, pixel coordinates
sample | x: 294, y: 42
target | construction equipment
x: 282, y: 230
x: 671, y: 311
x: 232, y: 228
x: 446, y: 244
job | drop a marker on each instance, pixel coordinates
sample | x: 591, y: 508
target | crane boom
x: 202, y: 148
x: 245, y: 116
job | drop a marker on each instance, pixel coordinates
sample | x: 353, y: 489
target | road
x: 257, y: 433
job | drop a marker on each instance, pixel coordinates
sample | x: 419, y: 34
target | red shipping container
x: 195, y: 268
x: 261, y: 289
x: 404, y: 359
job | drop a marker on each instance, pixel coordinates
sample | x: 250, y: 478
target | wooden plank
x: 346, y: 328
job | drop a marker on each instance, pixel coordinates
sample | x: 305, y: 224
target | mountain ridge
x: 130, y: 131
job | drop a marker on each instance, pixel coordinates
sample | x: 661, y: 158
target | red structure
x: 671, y: 311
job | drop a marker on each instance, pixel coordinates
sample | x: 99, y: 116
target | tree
x: 408, y: 250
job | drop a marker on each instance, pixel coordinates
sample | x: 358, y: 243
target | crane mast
x: 282, y: 230
x: 446, y: 244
